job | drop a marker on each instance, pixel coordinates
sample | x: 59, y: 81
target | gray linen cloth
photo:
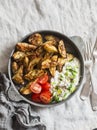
x: 15, y: 115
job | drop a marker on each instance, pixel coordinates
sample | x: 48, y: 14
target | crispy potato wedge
x: 61, y: 62
x: 62, y: 49
x: 50, y: 48
x: 53, y: 65
x: 51, y: 38
x: 47, y: 56
x: 22, y: 46
x: 26, y: 61
x: 33, y: 63
x: 26, y: 90
x: 69, y: 56
x: 54, y: 60
x: 29, y: 53
x: 35, y: 39
x: 18, y: 56
x: 33, y: 74
x: 18, y: 77
x: 20, y: 70
x: 14, y: 67
x: 25, y: 64
x: 52, y: 70
x: 51, y: 42
x: 45, y: 64
x: 39, y: 51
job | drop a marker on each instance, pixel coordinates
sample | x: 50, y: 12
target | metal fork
x: 93, y: 95
x: 88, y: 65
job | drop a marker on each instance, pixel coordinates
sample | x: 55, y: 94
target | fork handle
x: 93, y: 99
x: 85, y: 90
x: 93, y: 95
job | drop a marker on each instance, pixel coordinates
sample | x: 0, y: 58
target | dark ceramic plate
x: 70, y: 47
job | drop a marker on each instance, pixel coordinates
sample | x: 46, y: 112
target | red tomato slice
x: 43, y: 79
x: 45, y: 97
x: 36, y: 97
x: 46, y: 86
x: 47, y: 92
x: 35, y: 87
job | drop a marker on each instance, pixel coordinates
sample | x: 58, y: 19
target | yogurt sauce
x: 65, y: 82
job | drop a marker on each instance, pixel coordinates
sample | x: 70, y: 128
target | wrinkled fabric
x: 23, y: 113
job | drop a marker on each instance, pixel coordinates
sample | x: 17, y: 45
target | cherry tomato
x: 48, y: 92
x: 45, y: 97
x: 35, y: 87
x: 43, y: 79
x: 36, y: 97
x: 46, y: 86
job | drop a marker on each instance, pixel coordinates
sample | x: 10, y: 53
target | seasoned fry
x: 53, y: 42
x: 52, y: 70
x: 47, y: 55
x: 35, y: 39
x: 69, y: 56
x: 28, y: 53
x: 20, y: 70
x: 54, y: 61
x: 50, y: 48
x: 18, y: 77
x: 33, y: 63
x: 26, y: 62
x: 53, y: 65
x: 51, y: 38
x: 61, y: 62
x: 14, y: 67
x: 18, y: 56
x: 62, y: 49
x: 45, y: 64
x: 26, y: 90
x: 25, y: 47
x: 39, y: 51
x: 33, y: 74
x: 31, y: 55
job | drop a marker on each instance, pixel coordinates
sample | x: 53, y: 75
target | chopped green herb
x: 56, y: 87
x: 56, y: 98
x: 66, y: 94
x: 59, y: 91
x: 72, y: 89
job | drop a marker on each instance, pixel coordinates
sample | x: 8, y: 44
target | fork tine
x: 95, y: 44
x: 87, y: 55
x: 90, y: 50
x: 85, y: 52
